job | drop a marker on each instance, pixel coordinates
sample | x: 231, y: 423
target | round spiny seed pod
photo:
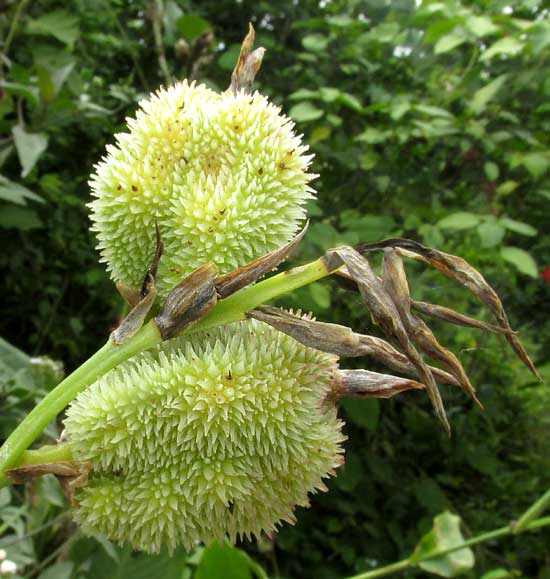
x: 224, y: 435
x: 224, y: 175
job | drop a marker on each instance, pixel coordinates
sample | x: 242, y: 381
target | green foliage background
x: 429, y: 121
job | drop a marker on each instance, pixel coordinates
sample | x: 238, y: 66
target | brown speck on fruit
x: 282, y: 166
x: 210, y: 229
x: 260, y: 171
x: 134, y: 188
x: 229, y: 375
x: 119, y: 187
x: 222, y: 211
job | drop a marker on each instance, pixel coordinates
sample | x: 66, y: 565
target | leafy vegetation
x: 430, y: 122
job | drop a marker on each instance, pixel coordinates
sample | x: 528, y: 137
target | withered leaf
x: 191, y: 299
x: 385, y: 314
x: 247, y: 65
x: 341, y: 340
x: 462, y: 272
x: 131, y: 324
x: 395, y: 282
x: 372, y: 384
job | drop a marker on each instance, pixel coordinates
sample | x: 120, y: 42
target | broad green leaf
x: 341, y: 20
x: 445, y: 534
x: 490, y: 234
x: 520, y: 259
x: 31, y: 93
x: 305, y: 112
x: 315, y: 42
x: 304, y: 94
x: 507, y: 187
x: 22, y: 218
x: 372, y: 135
x: 191, y: 26
x: 536, y: 163
x: 433, y: 111
x: 448, y: 42
x: 58, y: 23
x: 491, y: 170
x: 223, y: 562
x: 398, y: 110
x: 329, y: 94
x: 509, y: 46
x: 319, y: 134
x: 351, y: 102
x: 482, y: 96
x: 61, y: 570
x: 51, y: 79
x: 518, y: 226
x: 138, y: 566
x: 481, y: 25
x: 29, y: 146
x: 369, y: 227
x: 459, y: 221
x: 16, y: 193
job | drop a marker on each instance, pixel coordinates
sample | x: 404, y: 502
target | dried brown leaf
x: 385, y: 314
x: 247, y: 65
x: 191, y: 299
x: 368, y: 384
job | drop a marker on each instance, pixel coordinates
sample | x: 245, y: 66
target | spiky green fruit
x: 224, y: 175
x: 224, y: 435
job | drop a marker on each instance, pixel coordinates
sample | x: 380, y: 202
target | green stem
x: 49, y: 407
x: 532, y: 512
x: 13, y: 27
x: 43, y: 455
x: 387, y: 570
x: 490, y: 535
x: 232, y: 309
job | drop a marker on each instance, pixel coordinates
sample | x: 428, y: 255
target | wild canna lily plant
x: 209, y: 413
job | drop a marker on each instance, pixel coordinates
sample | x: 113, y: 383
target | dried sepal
x: 131, y: 324
x: 191, y: 299
x: 456, y: 318
x: 248, y: 64
x: 23, y: 474
x: 395, y: 282
x: 341, y: 340
x: 367, y: 384
x: 385, y: 314
x: 243, y: 276
x: 462, y: 272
